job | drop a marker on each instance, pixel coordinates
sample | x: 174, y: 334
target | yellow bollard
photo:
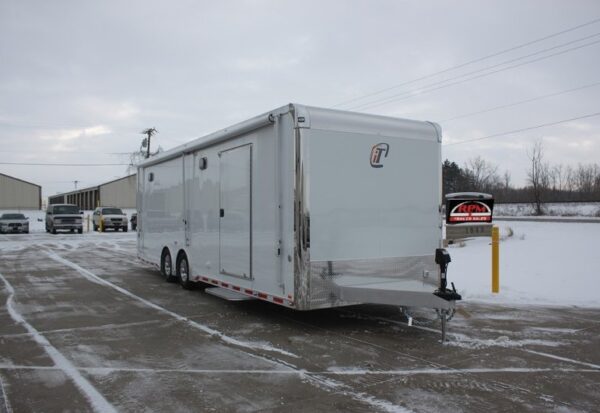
x: 495, y: 260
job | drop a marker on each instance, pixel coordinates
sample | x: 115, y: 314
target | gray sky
x: 80, y: 79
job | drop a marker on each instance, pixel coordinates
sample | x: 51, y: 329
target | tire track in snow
x: 97, y: 401
x: 316, y: 380
x: 208, y: 330
x: 291, y: 372
x: 568, y: 360
x: 449, y: 366
x: 7, y: 407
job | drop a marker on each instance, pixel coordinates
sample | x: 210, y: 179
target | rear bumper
x: 67, y: 226
x: 115, y: 225
x: 14, y: 230
x: 405, y: 293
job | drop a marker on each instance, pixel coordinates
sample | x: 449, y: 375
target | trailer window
x: 203, y: 162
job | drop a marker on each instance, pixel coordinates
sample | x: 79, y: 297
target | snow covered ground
x: 565, y: 209
x: 541, y: 263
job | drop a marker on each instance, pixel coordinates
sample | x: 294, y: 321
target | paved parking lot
x: 84, y: 326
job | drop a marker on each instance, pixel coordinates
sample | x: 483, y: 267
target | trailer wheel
x: 166, y: 266
x: 183, y: 272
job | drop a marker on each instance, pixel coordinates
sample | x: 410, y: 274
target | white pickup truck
x: 110, y: 217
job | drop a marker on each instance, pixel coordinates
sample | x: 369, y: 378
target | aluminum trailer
x: 303, y: 207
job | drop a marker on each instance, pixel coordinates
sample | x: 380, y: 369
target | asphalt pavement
x: 85, y: 326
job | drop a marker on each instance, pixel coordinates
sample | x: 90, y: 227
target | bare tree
x: 570, y: 184
x: 584, y: 178
x: 506, y: 180
x: 557, y: 174
x: 538, y: 175
x: 483, y: 175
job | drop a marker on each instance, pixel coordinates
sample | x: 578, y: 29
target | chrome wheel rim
x: 168, y: 265
x: 183, y: 270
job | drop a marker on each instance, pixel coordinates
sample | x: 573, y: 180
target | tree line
x: 545, y: 182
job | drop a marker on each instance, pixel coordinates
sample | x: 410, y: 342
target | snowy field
x: 541, y: 263
x: 564, y: 209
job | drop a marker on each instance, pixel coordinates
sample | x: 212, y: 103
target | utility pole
x: 150, y: 132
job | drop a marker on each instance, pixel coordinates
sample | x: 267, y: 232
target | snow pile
x: 562, y: 209
x: 540, y: 263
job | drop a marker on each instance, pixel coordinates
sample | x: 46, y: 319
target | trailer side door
x: 235, y: 223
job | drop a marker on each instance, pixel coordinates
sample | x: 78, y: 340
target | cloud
x: 73, y: 134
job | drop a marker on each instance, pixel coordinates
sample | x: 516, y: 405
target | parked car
x: 110, y: 217
x: 14, y: 223
x: 63, y: 217
x: 133, y: 221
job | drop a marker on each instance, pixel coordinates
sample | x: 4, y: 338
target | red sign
x: 470, y: 211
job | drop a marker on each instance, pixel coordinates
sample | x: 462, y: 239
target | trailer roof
x: 314, y: 118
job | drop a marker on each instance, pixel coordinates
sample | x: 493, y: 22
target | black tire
x: 124, y: 229
x: 166, y: 267
x: 72, y: 230
x: 80, y: 230
x: 183, y: 272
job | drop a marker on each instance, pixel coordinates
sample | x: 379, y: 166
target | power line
x: 516, y: 59
x: 562, y: 92
x: 74, y: 152
x: 524, y: 129
x: 63, y: 164
x: 520, y: 46
x: 409, y: 94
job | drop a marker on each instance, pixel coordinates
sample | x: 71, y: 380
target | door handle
x: 221, y: 212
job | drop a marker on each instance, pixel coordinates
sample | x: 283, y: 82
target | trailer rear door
x: 373, y: 196
x: 235, y: 224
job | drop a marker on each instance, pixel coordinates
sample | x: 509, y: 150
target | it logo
x: 378, y: 153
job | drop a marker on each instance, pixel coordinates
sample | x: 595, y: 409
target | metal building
x: 18, y: 194
x: 119, y: 193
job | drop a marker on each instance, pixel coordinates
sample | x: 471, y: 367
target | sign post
x: 495, y: 260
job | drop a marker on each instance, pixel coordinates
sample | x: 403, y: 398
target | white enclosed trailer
x: 303, y: 207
